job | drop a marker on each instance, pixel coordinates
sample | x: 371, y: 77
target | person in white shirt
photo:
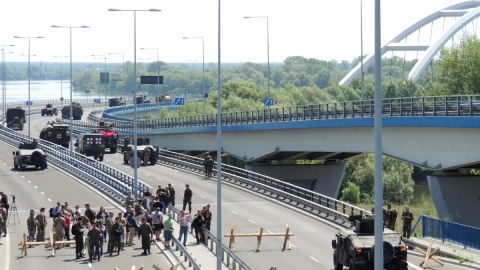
x: 86, y: 246
x: 157, y: 221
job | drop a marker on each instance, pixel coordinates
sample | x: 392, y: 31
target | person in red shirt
x: 67, y: 225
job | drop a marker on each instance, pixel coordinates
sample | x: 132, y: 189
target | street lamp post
x: 29, y: 76
x: 4, y: 85
x: 61, y: 76
x: 158, y: 78
x: 203, y: 71
x: 71, y: 84
x: 268, y: 52
x: 103, y: 57
x: 123, y: 78
x: 135, y: 158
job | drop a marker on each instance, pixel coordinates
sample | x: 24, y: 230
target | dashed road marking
x: 23, y: 176
x: 147, y: 174
x: 293, y: 245
x: 313, y: 259
x: 29, y: 181
x: 159, y: 179
x: 413, y: 266
x: 35, y: 186
x: 251, y: 221
x: 235, y: 212
x: 42, y: 193
x: 203, y: 197
x: 49, y: 199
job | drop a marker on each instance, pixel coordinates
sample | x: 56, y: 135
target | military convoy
x: 28, y: 154
x: 56, y: 133
x: 16, y: 118
x: 77, y: 111
x: 49, y: 110
x: 91, y: 144
x: 111, y: 136
x: 356, y: 248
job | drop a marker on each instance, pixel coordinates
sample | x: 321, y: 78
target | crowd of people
x: 145, y: 218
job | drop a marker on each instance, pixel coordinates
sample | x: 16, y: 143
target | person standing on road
x: 168, y: 228
x: 68, y: 221
x: 187, y: 198
x: 77, y: 231
x: 145, y: 231
x: 197, y: 224
x: 95, y: 235
x: 3, y: 223
x: 108, y: 228
x: 117, y: 234
x: 183, y: 221
x: 171, y: 194
x: 90, y: 214
x: 59, y: 227
x: 407, y: 217
x: 157, y: 220
x: 391, y: 217
x: 31, y: 226
x: 42, y: 224
x: 129, y: 200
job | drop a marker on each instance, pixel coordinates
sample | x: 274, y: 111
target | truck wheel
x: 113, y: 149
x: 100, y: 158
x: 95, y: 157
x: 336, y: 264
x: 125, y: 160
x: 15, y: 166
x: 351, y: 266
x: 22, y: 168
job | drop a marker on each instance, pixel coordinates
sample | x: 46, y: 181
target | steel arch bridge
x: 467, y: 12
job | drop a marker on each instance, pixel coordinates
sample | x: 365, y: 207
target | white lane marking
x: 159, y: 179
x: 293, y: 245
x: 315, y: 260
x: 23, y: 176
x: 133, y: 267
x: 29, y: 181
x: 251, y: 221
x: 413, y: 266
x: 147, y: 174
x: 269, y: 231
x: 89, y: 265
x: 203, y: 197
x: 7, y: 252
x: 235, y: 212
x: 35, y: 186
x: 42, y: 193
x: 49, y: 199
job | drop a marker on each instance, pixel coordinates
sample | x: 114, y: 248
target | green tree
x: 351, y: 193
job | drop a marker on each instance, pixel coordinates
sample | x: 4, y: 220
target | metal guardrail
x: 451, y: 232
x: 468, y: 105
x: 303, y: 199
x: 104, y: 178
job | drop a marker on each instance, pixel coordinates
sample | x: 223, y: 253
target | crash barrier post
x: 259, y: 234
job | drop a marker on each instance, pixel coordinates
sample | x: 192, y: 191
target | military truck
x: 112, y: 102
x: 77, y: 111
x: 56, y: 133
x: 49, y: 110
x: 91, y: 144
x: 16, y: 118
x: 28, y: 154
x: 356, y: 248
x: 111, y: 136
x: 163, y: 98
x: 128, y: 154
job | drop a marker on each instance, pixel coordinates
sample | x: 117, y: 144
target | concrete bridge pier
x: 325, y: 179
x: 456, y: 197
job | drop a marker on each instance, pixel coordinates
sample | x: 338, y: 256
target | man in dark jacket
x: 77, y: 231
x: 95, y: 235
x: 145, y: 231
x: 187, y: 198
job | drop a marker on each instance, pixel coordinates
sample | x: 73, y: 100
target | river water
x: 41, y: 90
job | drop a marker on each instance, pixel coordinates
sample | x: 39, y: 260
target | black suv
x: 355, y: 248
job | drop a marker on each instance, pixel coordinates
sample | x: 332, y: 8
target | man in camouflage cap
x: 109, y: 225
x: 31, y: 226
x: 59, y: 225
x: 42, y: 224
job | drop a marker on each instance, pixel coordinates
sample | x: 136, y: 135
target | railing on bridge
x: 451, y: 232
x: 468, y: 105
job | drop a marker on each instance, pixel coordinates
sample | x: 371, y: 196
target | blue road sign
x: 96, y: 100
x: 179, y: 101
x: 268, y: 102
x: 29, y: 103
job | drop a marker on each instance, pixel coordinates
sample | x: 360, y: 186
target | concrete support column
x: 324, y: 179
x: 456, y: 198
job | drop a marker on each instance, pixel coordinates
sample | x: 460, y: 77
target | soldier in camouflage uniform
x: 123, y: 223
x: 59, y: 227
x: 391, y: 217
x: 116, y: 236
x: 42, y: 224
x: 109, y: 226
x: 95, y: 235
x: 3, y: 223
x: 146, y: 156
x: 130, y: 200
x: 407, y: 217
x: 31, y: 226
x: 145, y: 231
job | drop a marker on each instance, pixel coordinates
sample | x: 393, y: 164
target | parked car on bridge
x: 28, y: 154
x: 356, y: 248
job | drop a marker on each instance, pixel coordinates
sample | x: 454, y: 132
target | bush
x: 351, y: 193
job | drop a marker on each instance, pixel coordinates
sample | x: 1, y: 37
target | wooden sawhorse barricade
x: 429, y: 254
x: 52, y: 243
x: 260, y: 234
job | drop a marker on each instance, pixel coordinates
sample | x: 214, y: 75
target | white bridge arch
x: 466, y: 11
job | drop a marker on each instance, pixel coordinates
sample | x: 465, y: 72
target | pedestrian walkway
x: 458, y: 254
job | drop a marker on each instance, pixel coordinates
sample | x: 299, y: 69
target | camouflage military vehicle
x: 28, y: 154
x: 91, y: 144
x: 110, y: 134
x: 16, y: 118
x: 356, y: 248
x: 56, y: 133
x: 128, y: 154
x: 49, y: 110
x: 76, y: 113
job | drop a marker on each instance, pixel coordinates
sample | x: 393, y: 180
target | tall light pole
x: 203, y: 71
x: 219, y: 146
x: 268, y: 52
x: 71, y: 83
x: 29, y: 76
x: 103, y: 57
x: 158, y: 78
x: 61, y: 76
x: 193, y: 72
x: 361, y: 50
x: 135, y: 158
x: 123, y: 78
x: 4, y: 85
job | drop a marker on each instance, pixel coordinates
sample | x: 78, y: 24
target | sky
x: 321, y: 29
